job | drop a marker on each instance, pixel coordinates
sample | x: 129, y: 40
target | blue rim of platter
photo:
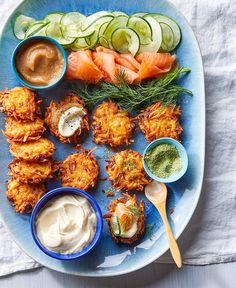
x: 191, y: 209
x: 56, y: 193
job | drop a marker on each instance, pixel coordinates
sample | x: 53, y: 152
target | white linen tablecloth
x: 210, y: 236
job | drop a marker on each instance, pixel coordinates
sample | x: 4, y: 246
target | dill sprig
x: 135, y: 97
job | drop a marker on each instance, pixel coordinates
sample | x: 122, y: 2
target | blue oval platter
x: 109, y: 258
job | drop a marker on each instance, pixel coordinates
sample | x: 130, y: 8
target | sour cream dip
x: 66, y: 224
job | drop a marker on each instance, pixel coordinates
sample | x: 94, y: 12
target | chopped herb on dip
x: 163, y: 160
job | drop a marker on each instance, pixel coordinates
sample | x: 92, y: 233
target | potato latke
x: 79, y: 170
x: 111, y: 125
x: 38, y: 150
x: 134, y: 210
x: 22, y: 131
x: 24, y: 196
x: 20, y: 103
x: 126, y: 172
x: 158, y: 121
x: 32, y: 172
x: 55, y: 111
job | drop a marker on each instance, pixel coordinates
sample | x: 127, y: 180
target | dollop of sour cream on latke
x: 70, y: 121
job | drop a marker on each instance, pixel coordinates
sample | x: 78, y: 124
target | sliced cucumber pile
x: 139, y: 32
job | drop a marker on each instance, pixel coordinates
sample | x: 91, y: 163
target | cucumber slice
x: 71, y: 24
x: 53, y: 30
x: 125, y: 40
x: 92, y: 41
x: 54, y: 17
x: 167, y: 37
x: 173, y: 25
x: 78, y: 44
x: 155, y: 44
x: 21, y: 25
x: 115, y: 225
x: 95, y: 26
x: 102, y: 40
x: 94, y: 17
x: 140, y: 14
x: 117, y: 22
x: 119, y: 13
x: 37, y: 28
x: 142, y: 28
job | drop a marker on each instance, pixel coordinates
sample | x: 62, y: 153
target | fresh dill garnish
x: 135, y: 97
x: 128, y: 164
x: 135, y: 210
x: 149, y: 228
x: 109, y: 192
x: 108, y: 152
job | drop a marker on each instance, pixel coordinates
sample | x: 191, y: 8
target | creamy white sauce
x: 66, y: 224
x: 70, y: 121
x: 133, y: 229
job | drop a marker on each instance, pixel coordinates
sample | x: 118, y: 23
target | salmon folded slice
x: 106, y: 62
x: 153, y: 64
x: 126, y: 60
x: 81, y: 66
x: 130, y: 75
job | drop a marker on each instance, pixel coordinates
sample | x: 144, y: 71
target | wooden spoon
x: 156, y: 193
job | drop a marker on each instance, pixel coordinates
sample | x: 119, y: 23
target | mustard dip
x: 39, y: 62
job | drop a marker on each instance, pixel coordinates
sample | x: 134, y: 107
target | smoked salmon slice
x: 125, y: 216
x: 130, y: 75
x: 153, y: 63
x: 106, y: 63
x: 82, y: 67
x: 126, y: 60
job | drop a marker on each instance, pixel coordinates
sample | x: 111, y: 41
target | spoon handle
x: 171, y: 240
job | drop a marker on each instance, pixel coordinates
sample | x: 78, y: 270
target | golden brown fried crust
x: 56, y: 109
x: 158, y: 121
x: 111, y: 125
x: 79, y: 170
x: 32, y: 172
x: 125, y: 171
x: 20, y: 103
x: 22, y: 131
x: 39, y: 150
x: 141, y: 221
x: 24, y: 196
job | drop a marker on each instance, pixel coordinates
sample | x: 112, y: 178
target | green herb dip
x: 163, y: 160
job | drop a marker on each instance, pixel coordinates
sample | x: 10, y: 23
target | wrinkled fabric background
x: 210, y: 237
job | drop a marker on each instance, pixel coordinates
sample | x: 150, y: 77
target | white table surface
x: 154, y: 275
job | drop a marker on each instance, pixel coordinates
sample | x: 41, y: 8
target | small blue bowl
x: 57, y: 192
x: 25, y: 42
x: 182, y: 153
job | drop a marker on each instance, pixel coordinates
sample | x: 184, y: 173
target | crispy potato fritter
x: 111, y: 125
x: 79, y: 170
x: 24, y: 196
x: 32, y: 172
x: 22, y: 131
x: 39, y: 150
x: 126, y: 210
x: 55, y: 111
x: 20, y: 103
x: 158, y: 121
x: 126, y: 172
